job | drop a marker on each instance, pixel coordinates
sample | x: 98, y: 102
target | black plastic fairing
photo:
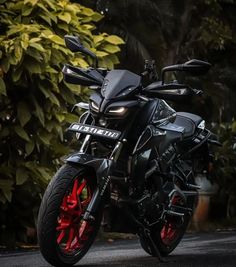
x: 119, y: 83
x: 144, y: 117
x: 82, y: 76
x: 173, y: 92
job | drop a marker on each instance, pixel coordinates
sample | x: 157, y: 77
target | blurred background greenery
x: 35, y: 103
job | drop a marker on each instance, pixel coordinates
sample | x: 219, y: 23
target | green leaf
x: 44, y: 172
x: 33, y: 66
x: 8, y: 194
x: 98, y: 39
x: 101, y: 53
x: 21, y: 176
x: 45, y: 138
x: 233, y: 127
x: 60, y: 117
x: 59, y: 131
x: 114, y: 59
x: 113, y: 39
x: 36, y: 46
x: 4, y: 132
x: 23, y: 113
x: 108, y: 63
x: 70, y: 118
x: 2, y: 87
x: 26, y: 10
x: 97, y: 17
x: 65, y: 17
x: 6, y: 187
x: 34, y: 54
x: 111, y: 48
x: 48, y: 94
x: 74, y: 88
x: 18, y: 52
x: 51, y: 4
x: 63, y: 26
x: 46, y: 18
x: 5, y: 65
x: 22, y: 133
x: 68, y: 96
x: 39, y: 112
x: 29, y: 147
x: 50, y: 70
x: 32, y: 2
x: 15, y: 29
x: 88, y: 12
x: 81, y: 62
x: 56, y: 39
x: 35, y: 40
x: 16, y: 75
x: 24, y: 41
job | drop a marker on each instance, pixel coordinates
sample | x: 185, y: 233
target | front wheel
x: 64, y: 238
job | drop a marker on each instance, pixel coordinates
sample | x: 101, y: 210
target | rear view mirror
x: 193, y: 67
x: 196, y: 67
x: 75, y: 45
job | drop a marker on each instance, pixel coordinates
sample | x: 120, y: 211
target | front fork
x: 103, y: 175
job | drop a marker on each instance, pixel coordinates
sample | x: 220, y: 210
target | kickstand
x: 157, y: 252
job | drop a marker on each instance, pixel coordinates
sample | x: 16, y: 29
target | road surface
x: 211, y: 249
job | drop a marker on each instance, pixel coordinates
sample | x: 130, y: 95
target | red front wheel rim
x: 72, y: 231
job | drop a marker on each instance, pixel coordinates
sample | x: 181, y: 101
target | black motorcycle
x: 136, y: 165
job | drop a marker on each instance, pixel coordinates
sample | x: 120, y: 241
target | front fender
x: 101, y: 166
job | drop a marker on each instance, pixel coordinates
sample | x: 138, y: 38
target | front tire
x: 63, y: 237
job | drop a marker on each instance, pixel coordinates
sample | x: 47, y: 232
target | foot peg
x: 174, y: 213
x: 193, y: 186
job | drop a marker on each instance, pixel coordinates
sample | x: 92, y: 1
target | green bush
x: 225, y: 167
x: 34, y: 100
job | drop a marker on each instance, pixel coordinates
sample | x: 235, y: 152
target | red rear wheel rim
x: 170, y: 231
x: 72, y: 231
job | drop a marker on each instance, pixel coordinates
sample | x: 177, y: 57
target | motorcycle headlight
x: 117, y: 110
x: 94, y: 106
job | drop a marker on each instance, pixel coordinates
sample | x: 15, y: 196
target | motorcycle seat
x: 189, y: 121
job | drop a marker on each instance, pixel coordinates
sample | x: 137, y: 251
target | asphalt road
x: 214, y: 249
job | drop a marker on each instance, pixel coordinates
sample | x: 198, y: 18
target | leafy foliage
x: 34, y: 100
x: 224, y: 166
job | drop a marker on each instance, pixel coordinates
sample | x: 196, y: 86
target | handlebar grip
x: 145, y: 73
x: 198, y: 92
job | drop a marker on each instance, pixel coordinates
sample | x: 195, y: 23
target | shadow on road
x: 201, y: 250
x: 188, y: 260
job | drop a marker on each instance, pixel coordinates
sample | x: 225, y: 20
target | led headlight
x: 94, y: 106
x: 117, y: 110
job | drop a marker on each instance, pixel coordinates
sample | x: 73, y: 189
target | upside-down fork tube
x: 103, y: 168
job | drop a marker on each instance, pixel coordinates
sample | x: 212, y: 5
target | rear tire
x: 157, y: 234
x: 60, y: 244
x: 163, y: 248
